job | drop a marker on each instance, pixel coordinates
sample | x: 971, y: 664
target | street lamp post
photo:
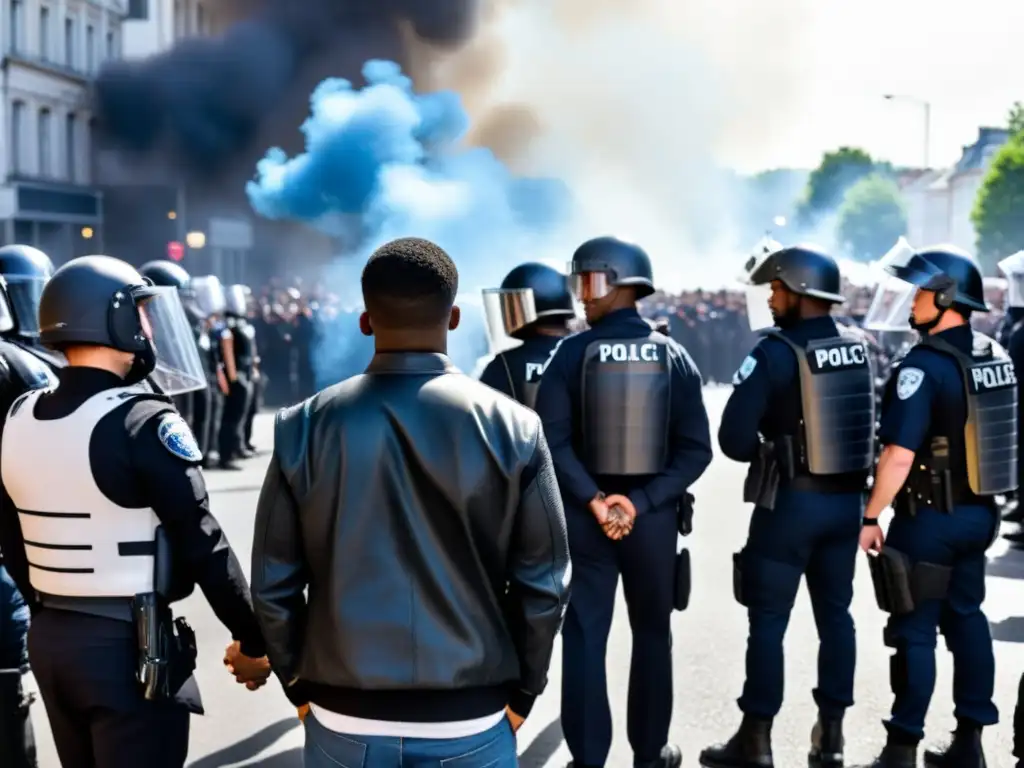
x: 927, y: 107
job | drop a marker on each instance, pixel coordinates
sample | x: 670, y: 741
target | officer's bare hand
x: 871, y: 538
x: 514, y: 720
x: 599, y: 509
x: 621, y: 517
x: 253, y: 673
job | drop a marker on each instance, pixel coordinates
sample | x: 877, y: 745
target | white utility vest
x: 78, y: 542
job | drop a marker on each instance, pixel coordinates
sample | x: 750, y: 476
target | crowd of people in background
x: 292, y: 317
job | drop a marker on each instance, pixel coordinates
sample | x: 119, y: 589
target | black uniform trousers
x: 85, y: 668
x: 232, y: 426
x: 957, y: 540
x: 207, y: 406
x: 259, y: 384
x: 646, y: 560
x: 812, y: 535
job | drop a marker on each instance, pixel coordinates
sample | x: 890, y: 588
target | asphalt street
x: 243, y: 728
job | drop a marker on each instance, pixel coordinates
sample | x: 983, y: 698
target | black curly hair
x: 409, y: 283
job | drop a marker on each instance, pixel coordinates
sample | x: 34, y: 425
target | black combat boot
x: 896, y: 756
x: 826, y: 744
x: 750, y: 747
x: 964, y: 751
x: 671, y: 757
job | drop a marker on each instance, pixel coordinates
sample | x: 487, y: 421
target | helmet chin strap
x: 928, y: 326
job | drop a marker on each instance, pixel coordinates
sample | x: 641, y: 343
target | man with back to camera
x: 949, y: 427
x: 101, y: 498
x: 420, y: 508
x: 801, y: 414
x: 623, y: 408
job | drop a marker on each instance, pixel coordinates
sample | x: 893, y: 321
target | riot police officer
x: 802, y: 414
x: 171, y: 275
x: 532, y: 306
x: 623, y: 412
x: 25, y: 271
x: 209, y: 403
x: 105, y: 520
x: 949, y: 431
x: 238, y: 349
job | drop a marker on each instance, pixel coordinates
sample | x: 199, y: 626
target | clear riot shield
x: 505, y: 312
x: 759, y: 313
x: 894, y: 298
x: 1013, y: 268
x: 178, y: 367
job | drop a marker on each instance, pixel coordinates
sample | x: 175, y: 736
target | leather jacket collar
x: 411, y: 362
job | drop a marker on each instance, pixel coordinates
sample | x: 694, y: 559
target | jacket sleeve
x: 555, y: 408
x: 539, y: 572
x: 279, y: 573
x: 14, y: 617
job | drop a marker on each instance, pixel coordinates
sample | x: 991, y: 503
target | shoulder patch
x: 908, y: 382
x: 746, y: 368
x: 177, y: 438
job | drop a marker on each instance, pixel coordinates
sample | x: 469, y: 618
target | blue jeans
x: 494, y: 748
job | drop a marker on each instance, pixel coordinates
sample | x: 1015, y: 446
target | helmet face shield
x: 507, y: 311
x: 1013, y: 268
x: 164, y: 322
x: 590, y: 286
x: 24, y: 294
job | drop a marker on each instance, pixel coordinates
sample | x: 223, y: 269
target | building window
x: 17, y: 136
x: 17, y: 8
x: 90, y: 149
x: 44, y: 33
x: 69, y: 42
x: 138, y: 9
x: 110, y: 45
x: 69, y: 147
x: 45, y: 153
x: 90, y: 48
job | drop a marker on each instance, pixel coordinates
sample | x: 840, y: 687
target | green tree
x: 1015, y: 120
x: 998, y: 214
x: 871, y: 217
x: 828, y: 183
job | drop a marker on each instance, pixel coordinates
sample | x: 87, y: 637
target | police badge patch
x: 177, y: 438
x: 909, y: 381
x: 747, y: 368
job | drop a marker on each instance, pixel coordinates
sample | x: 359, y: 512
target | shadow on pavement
x: 253, y: 745
x: 290, y: 759
x: 1010, y: 630
x: 543, y: 747
x: 1008, y: 565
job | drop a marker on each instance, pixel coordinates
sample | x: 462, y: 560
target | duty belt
x: 780, y: 465
x: 931, y: 483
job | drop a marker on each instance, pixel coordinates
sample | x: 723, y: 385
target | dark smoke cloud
x: 208, y: 102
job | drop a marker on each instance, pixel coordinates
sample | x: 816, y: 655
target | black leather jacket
x: 420, y: 508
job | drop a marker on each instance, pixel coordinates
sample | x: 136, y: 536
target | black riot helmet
x: 94, y: 300
x: 805, y: 270
x: 166, y: 273
x: 948, y: 271
x: 607, y: 262
x: 26, y: 270
x: 105, y: 302
x: 528, y: 295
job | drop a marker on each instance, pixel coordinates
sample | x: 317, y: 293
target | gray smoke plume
x: 212, y: 104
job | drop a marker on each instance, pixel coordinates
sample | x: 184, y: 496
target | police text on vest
x: 534, y: 370
x: 839, y: 357
x: 994, y: 376
x: 628, y: 353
